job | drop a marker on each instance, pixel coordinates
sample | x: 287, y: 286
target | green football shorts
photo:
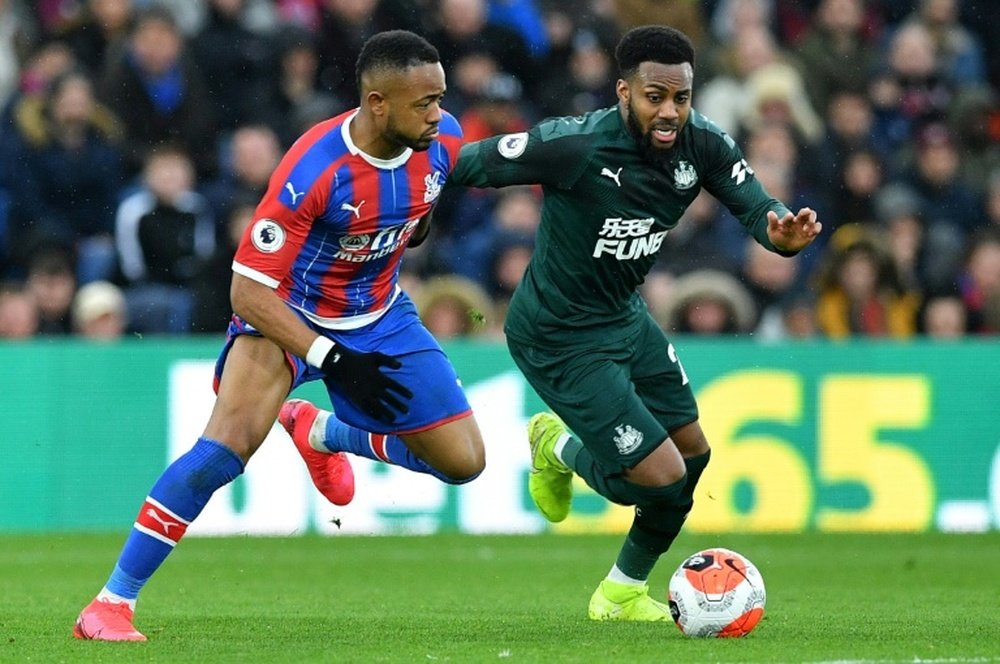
x: 620, y: 400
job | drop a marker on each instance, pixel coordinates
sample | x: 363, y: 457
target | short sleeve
x: 281, y: 223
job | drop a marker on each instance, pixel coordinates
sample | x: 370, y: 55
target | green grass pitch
x: 458, y: 598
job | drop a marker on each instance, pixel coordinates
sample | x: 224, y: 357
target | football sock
x: 176, y: 499
x: 387, y: 448
x: 619, y: 576
x: 107, y: 596
x: 655, y: 528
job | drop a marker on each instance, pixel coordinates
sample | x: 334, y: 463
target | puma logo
x: 614, y: 176
x: 167, y: 525
x: 295, y: 194
x: 356, y: 209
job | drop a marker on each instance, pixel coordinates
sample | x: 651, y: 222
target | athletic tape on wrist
x: 318, y: 351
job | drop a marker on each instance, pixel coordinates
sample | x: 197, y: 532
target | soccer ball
x: 716, y: 593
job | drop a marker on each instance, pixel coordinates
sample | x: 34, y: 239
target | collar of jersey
x: 395, y: 162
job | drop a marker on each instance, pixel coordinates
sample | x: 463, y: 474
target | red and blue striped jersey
x: 330, y: 231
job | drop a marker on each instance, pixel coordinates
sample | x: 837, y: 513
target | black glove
x: 360, y: 378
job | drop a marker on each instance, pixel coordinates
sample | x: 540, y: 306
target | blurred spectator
x: 212, y: 308
x: 979, y: 16
x: 497, y: 110
x: 42, y: 66
x: 54, y: 17
x: 947, y: 201
x: 944, y: 317
x: 850, y: 122
x: 898, y: 211
x: 259, y: 16
x: 248, y: 159
x: 980, y: 283
x: 18, y: 312
x: 992, y: 199
x: 684, y: 15
x: 462, y: 29
x: 728, y: 17
x: 344, y: 27
x: 958, y: 52
x: 510, y: 257
x: 798, y: 319
x: 51, y: 281
x: 858, y: 183
x: 299, y: 13
x: 725, y: 97
x: 910, y: 88
x: 700, y: 239
x: 154, y: 86
x: 99, y: 311
x: 508, y: 229
x: 657, y: 291
x: 65, y: 173
x: 835, y: 53
x: 781, y: 167
x: 235, y: 62
x: 292, y: 101
x: 773, y: 282
x: 164, y: 232
x: 16, y: 33
x: 525, y: 18
x: 709, y: 302
x: 586, y: 83
x: 859, y: 293
x: 453, y: 307
x: 974, y: 120
x: 776, y: 93
x: 465, y: 80
x: 102, y: 29
x: 589, y: 40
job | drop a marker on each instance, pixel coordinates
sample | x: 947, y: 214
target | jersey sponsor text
x: 628, y: 239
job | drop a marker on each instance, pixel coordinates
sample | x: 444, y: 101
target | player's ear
x: 622, y: 90
x: 376, y: 102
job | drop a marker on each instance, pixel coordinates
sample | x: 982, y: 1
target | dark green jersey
x: 605, y: 214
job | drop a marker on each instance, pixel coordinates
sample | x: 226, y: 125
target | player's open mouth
x: 665, y: 134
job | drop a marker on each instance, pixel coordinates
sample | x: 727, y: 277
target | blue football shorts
x: 438, y: 397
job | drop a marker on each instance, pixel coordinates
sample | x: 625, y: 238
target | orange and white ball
x: 717, y: 593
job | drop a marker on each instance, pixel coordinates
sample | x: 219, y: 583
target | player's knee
x: 465, y: 462
x: 462, y: 474
x: 664, y: 494
x: 240, y: 439
x: 662, y: 467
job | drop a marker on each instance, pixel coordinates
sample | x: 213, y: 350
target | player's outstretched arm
x: 793, y: 232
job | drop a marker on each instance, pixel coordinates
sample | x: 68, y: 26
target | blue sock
x: 173, y: 503
x: 386, y: 448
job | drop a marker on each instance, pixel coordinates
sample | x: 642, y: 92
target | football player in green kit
x: 615, y: 181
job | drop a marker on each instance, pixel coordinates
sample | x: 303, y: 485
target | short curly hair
x: 652, y: 43
x: 395, y: 50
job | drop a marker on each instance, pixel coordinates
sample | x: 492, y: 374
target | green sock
x: 654, y: 529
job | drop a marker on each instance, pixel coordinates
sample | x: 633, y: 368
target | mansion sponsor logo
x: 364, y: 247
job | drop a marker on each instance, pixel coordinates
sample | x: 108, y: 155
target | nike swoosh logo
x: 732, y: 564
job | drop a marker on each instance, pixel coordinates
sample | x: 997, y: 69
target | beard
x: 418, y: 144
x: 644, y: 139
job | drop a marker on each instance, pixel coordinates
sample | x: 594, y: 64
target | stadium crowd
x: 136, y: 138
